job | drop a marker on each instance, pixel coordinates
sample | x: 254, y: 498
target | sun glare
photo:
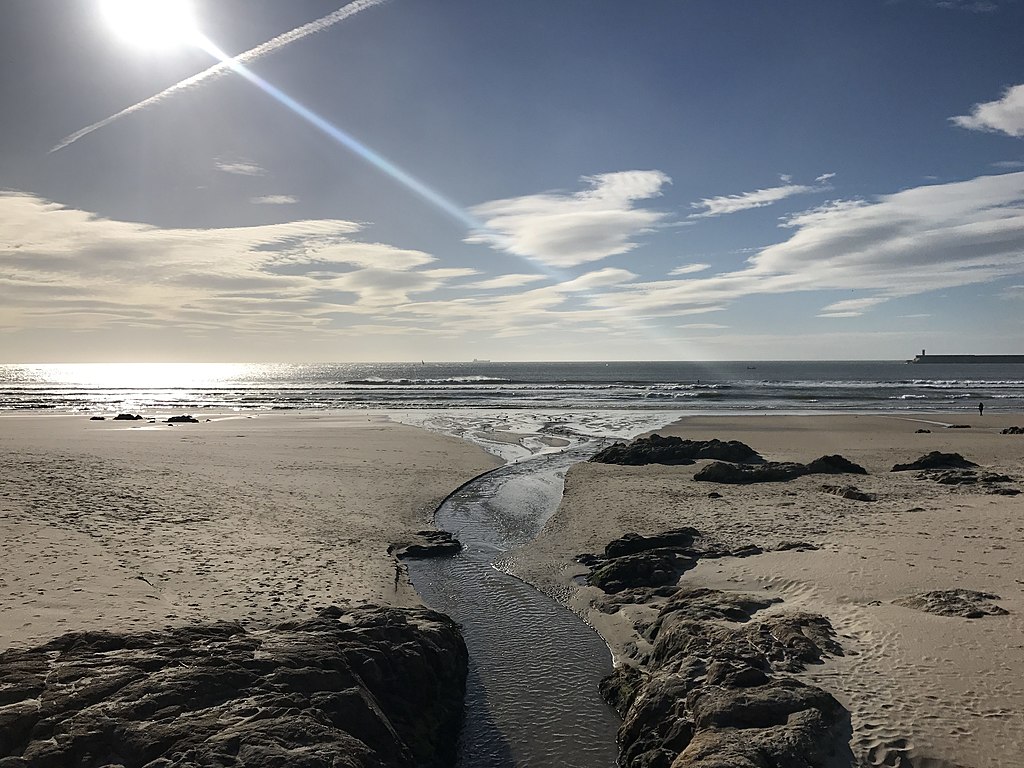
x: 152, y: 23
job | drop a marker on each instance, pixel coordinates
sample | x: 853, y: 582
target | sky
x: 519, y: 180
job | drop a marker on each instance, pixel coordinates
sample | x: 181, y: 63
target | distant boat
x: 971, y: 359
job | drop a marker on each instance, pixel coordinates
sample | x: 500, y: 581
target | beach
x: 133, y: 526
x: 938, y: 690
x: 261, y: 518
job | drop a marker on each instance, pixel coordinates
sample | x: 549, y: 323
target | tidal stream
x: 532, y: 696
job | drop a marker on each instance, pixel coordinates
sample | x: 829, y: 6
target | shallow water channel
x: 532, y: 696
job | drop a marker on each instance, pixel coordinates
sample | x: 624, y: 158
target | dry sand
x: 128, y: 525
x: 942, y: 691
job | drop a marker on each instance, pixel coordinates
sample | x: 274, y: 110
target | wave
x: 376, y: 382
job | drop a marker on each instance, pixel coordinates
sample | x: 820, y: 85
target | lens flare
x: 152, y: 23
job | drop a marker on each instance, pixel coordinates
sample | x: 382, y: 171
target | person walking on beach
x: 981, y: 409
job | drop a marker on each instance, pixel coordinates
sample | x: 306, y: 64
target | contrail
x: 225, y: 67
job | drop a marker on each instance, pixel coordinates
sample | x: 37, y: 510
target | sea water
x: 689, y: 386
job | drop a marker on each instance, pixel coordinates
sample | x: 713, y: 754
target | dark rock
x: 650, y: 568
x: 965, y: 477
x: 849, y: 492
x: 127, y: 417
x: 965, y: 603
x: 710, y: 696
x: 936, y: 460
x: 747, y: 550
x: 1004, y: 491
x: 958, y: 426
x: 588, y: 559
x: 186, y: 419
x: 922, y: 431
x: 775, y: 471
x: 428, y: 544
x: 1012, y: 431
x: 714, y: 495
x: 97, y: 418
x: 674, y: 450
x: 350, y: 688
x: 784, y: 546
x: 631, y: 543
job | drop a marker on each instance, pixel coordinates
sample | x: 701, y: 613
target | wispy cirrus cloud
x: 565, y: 230
x: 1004, y: 115
x: 240, y: 168
x: 275, y: 200
x: 726, y: 204
x: 689, y: 269
x: 505, y: 281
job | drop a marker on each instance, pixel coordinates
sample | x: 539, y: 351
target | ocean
x: 679, y: 386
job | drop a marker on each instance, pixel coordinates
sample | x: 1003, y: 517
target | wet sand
x: 128, y: 525
x: 941, y: 690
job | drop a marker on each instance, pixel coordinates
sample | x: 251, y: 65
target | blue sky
x: 594, y: 179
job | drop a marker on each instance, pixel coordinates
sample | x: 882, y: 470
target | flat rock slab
x: 849, y: 492
x: 965, y: 603
x: 427, y: 544
x: 349, y: 688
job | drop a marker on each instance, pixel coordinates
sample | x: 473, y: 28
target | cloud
x: 1005, y: 115
x: 918, y: 240
x: 850, y: 307
x: 725, y: 204
x: 505, y: 281
x: 566, y: 230
x: 240, y: 168
x: 824, y: 177
x: 70, y: 269
x: 275, y: 200
x: 1009, y: 165
x: 972, y: 6
x: 702, y: 326
x: 689, y: 269
x: 1013, y: 292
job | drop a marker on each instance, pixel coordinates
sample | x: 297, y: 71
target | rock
x: 849, y: 492
x: 922, y: 431
x: 186, y: 419
x: 775, y: 471
x: 650, y: 568
x: 800, y: 546
x: 936, y: 460
x: 1012, y: 431
x: 127, y: 417
x: 966, y: 603
x: 631, y: 543
x: 349, y: 688
x: 674, y: 450
x: 97, y: 418
x: 958, y: 426
x: 714, y: 495
x: 834, y: 465
x: 710, y: 695
x: 964, y: 477
x: 428, y: 544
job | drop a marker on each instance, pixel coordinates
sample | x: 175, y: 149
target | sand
x: 130, y: 525
x: 940, y: 690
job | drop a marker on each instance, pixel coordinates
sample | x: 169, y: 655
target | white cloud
x: 825, y: 177
x: 566, y: 230
x: 689, y: 269
x: 850, y: 307
x: 71, y: 269
x: 1005, y: 115
x: 1009, y: 165
x: 1012, y: 292
x: 505, y: 281
x: 240, y: 168
x: 702, y: 326
x: 725, y: 204
x: 785, y: 178
x: 275, y: 200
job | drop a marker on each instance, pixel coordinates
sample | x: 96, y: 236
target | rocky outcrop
x: 709, y: 695
x: 185, y: 419
x: 936, y: 460
x: 849, y: 492
x: 128, y: 417
x: 1012, y: 431
x: 776, y: 471
x: 674, y: 450
x: 427, y: 544
x: 350, y: 688
x: 965, y: 603
x: 637, y: 562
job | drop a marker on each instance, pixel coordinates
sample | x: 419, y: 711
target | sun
x: 152, y: 23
